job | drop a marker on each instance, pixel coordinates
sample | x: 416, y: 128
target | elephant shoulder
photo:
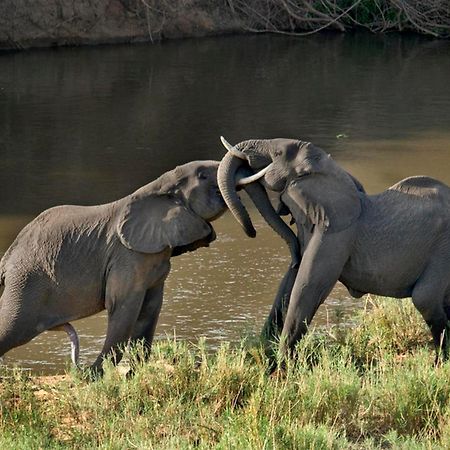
x: 423, y: 187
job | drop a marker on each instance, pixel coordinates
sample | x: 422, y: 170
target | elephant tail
x: 74, y: 341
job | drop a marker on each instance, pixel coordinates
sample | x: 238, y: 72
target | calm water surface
x: 87, y: 126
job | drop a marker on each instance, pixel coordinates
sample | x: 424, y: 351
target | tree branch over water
x: 25, y: 24
x: 290, y: 16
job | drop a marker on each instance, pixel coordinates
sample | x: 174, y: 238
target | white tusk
x: 233, y: 150
x: 256, y: 176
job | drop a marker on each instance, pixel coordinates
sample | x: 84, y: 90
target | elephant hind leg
x: 20, y: 318
x: 429, y: 300
x: 14, y: 331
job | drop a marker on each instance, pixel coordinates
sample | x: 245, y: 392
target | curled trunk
x: 226, y: 180
x: 262, y: 202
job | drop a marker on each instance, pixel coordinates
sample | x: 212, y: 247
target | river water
x: 90, y: 125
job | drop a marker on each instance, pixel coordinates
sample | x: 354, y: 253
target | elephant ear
x: 329, y: 202
x: 151, y: 223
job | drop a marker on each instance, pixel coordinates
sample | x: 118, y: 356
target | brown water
x: 87, y: 126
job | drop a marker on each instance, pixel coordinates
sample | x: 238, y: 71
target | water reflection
x: 87, y: 126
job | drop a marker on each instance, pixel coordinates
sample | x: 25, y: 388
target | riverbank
x: 371, y: 386
x: 48, y: 23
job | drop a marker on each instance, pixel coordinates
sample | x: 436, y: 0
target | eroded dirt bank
x: 45, y: 23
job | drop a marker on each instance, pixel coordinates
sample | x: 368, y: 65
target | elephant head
x: 173, y: 211
x: 234, y: 168
x: 325, y: 194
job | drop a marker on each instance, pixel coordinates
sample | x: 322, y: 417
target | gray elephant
x: 74, y: 261
x: 396, y: 243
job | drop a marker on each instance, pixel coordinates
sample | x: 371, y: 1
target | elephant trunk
x: 261, y: 200
x: 226, y: 180
x: 235, y: 159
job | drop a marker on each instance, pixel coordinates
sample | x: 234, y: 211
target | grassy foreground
x: 366, y: 387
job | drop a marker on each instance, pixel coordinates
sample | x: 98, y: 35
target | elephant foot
x: 440, y: 358
x: 131, y: 372
x: 276, y: 368
x: 442, y: 350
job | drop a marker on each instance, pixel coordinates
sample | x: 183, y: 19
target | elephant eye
x: 202, y: 175
x: 277, y: 153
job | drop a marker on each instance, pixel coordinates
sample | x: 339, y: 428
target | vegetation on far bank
x: 370, y: 386
x: 431, y: 17
x: 25, y: 24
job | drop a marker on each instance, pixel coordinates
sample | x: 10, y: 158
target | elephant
x: 395, y: 243
x: 73, y: 261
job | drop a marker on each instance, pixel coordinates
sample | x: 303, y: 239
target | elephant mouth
x: 219, y: 198
x: 216, y: 203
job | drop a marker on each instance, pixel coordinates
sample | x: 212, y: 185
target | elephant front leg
x: 144, y: 329
x: 274, y: 322
x: 123, y: 313
x: 321, y: 267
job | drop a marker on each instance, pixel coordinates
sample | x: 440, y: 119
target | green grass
x: 372, y: 386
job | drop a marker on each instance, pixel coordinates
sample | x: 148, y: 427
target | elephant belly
x: 401, y: 239
x: 84, y: 300
x: 360, y: 285
x: 389, y: 277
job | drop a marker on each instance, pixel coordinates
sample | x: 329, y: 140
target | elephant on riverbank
x: 74, y: 261
x: 396, y: 243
